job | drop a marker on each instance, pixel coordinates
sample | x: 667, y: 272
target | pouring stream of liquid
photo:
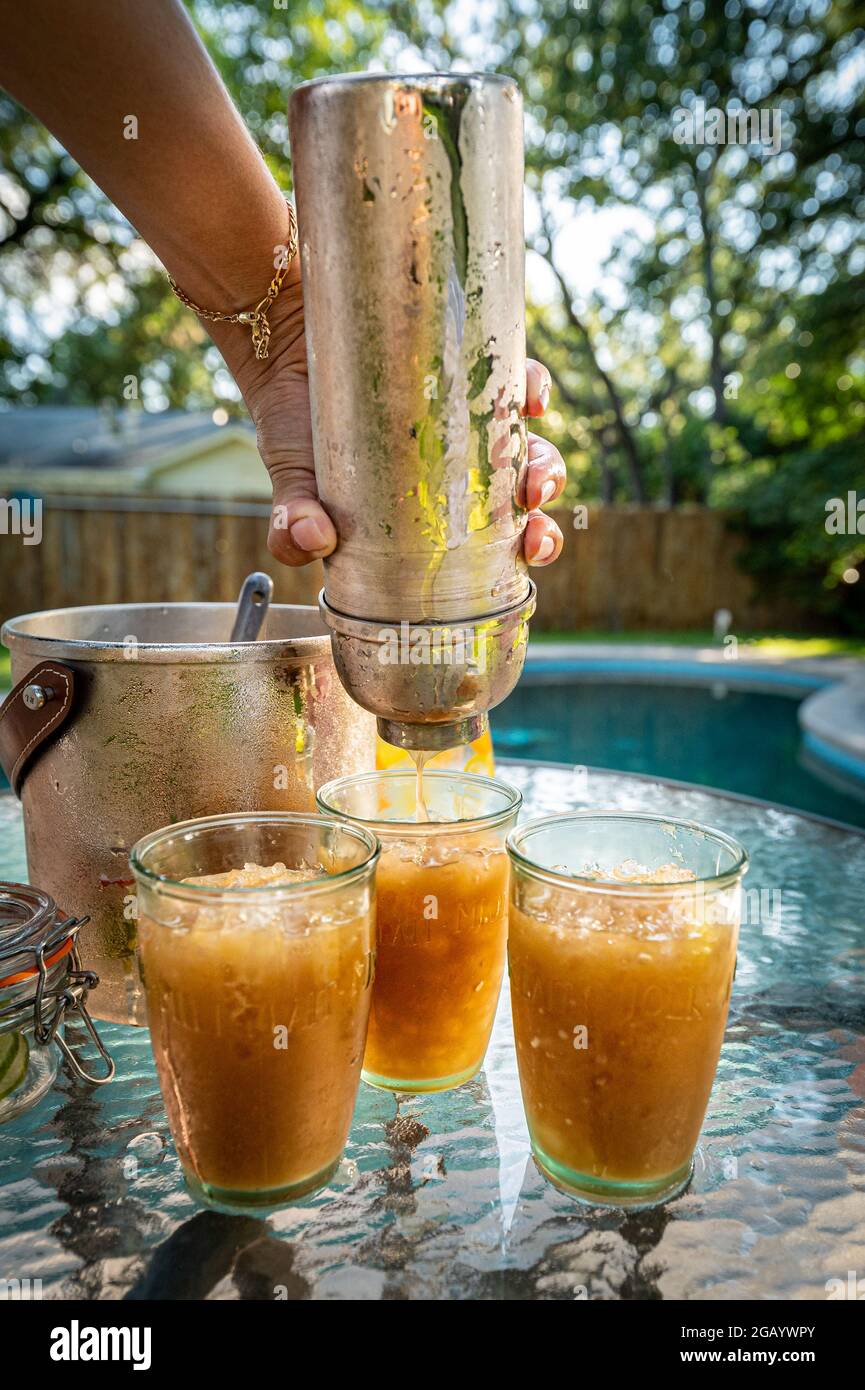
x: 420, y: 757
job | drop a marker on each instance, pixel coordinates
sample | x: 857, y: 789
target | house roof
x: 58, y: 436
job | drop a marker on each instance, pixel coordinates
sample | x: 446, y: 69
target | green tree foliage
x: 719, y: 354
x: 83, y: 308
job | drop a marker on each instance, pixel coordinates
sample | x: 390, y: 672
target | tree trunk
x: 716, y: 363
x: 626, y: 435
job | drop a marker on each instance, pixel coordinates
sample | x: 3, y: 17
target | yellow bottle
x: 471, y: 757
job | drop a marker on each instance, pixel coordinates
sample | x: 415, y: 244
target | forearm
x: 191, y: 180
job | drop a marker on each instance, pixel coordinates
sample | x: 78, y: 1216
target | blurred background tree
x: 701, y: 306
x: 84, y: 303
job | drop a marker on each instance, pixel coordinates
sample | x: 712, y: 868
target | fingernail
x: 308, y: 534
x: 544, y: 395
x: 545, y: 550
x: 548, y: 491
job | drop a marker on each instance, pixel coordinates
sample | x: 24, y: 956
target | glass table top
x: 438, y: 1197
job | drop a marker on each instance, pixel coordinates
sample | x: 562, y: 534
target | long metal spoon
x: 253, y: 602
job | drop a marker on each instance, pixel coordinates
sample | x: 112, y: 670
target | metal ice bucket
x: 145, y: 714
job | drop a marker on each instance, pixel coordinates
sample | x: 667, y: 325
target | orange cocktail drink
x: 442, y: 891
x: 255, y: 936
x: 622, y: 948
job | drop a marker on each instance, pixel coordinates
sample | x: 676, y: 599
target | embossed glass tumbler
x: 255, y: 935
x: 442, y: 893
x: 621, y: 947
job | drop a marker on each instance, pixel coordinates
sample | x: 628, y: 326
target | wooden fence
x: 651, y: 568
x: 630, y: 568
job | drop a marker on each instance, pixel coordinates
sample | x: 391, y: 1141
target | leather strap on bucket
x: 31, y: 712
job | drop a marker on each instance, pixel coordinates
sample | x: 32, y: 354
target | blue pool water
x: 739, y: 741
x: 736, y: 740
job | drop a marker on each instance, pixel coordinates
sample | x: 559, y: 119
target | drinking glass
x: 255, y: 936
x: 442, y: 887
x: 622, y: 947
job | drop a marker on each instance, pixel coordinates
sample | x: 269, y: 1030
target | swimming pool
x: 737, y: 740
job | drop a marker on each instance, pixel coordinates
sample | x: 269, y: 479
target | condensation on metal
x: 410, y: 202
x: 170, y: 722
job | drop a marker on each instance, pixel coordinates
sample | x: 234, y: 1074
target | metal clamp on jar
x: 41, y: 986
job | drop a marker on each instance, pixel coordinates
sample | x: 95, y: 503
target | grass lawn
x: 771, y: 644
x: 779, y: 644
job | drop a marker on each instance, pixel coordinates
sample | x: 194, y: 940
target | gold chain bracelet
x: 256, y: 317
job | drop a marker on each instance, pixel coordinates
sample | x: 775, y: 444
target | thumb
x: 300, y: 528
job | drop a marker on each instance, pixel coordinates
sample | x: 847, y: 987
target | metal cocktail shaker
x: 410, y: 206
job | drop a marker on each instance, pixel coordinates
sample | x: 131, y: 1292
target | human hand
x: 277, y: 394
